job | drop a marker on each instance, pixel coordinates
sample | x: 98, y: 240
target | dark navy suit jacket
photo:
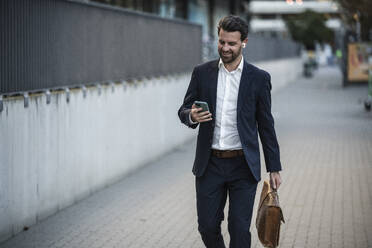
x: 253, y: 116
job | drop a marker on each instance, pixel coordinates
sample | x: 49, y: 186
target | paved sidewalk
x: 326, y: 147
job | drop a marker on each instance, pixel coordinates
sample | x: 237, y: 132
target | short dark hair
x: 233, y: 23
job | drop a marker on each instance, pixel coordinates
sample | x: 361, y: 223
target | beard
x: 230, y: 56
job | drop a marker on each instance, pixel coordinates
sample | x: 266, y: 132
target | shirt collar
x: 240, y: 66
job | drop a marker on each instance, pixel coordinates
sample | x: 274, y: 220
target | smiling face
x: 229, y: 46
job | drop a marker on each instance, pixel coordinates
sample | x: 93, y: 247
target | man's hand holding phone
x: 200, y: 113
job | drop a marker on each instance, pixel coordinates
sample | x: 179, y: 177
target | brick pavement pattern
x: 326, y: 147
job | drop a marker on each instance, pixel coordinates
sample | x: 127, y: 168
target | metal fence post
x: 48, y: 96
x: 67, y: 91
x: 84, y: 89
x: 1, y: 103
x: 99, y: 89
x: 124, y: 85
x: 26, y: 99
x: 112, y: 84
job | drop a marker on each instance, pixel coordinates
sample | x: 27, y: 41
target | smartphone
x: 203, y: 105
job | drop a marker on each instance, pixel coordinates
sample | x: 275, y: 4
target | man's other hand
x: 197, y: 116
x: 275, y: 180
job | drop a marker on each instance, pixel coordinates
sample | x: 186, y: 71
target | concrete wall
x: 53, y: 155
x: 282, y: 71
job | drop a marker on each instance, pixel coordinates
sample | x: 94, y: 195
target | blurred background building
x: 268, y: 17
x: 203, y: 12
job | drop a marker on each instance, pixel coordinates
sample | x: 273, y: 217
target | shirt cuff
x: 190, y: 120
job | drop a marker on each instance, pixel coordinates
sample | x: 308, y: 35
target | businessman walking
x: 227, y: 160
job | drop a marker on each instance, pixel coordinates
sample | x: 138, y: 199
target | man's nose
x: 225, y: 48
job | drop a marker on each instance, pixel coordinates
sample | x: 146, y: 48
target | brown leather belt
x: 227, y: 153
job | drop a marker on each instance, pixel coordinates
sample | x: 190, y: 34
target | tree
x: 354, y: 11
x: 308, y: 28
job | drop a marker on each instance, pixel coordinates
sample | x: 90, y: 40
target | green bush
x: 308, y: 28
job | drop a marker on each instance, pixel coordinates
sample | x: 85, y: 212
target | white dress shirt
x: 226, y: 136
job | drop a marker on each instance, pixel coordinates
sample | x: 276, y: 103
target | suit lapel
x: 245, y: 80
x: 213, y: 72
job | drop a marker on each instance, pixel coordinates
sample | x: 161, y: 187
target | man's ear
x: 245, y: 42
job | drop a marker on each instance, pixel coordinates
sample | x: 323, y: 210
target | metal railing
x: 59, y: 43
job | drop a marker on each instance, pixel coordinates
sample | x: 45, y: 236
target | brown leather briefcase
x: 269, y: 217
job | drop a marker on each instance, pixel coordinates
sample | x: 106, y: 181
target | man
x: 227, y: 157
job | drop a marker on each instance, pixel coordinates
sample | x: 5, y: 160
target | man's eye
x: 232, y: 44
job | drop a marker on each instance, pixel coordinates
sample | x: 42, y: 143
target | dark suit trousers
x: 232, y: 177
